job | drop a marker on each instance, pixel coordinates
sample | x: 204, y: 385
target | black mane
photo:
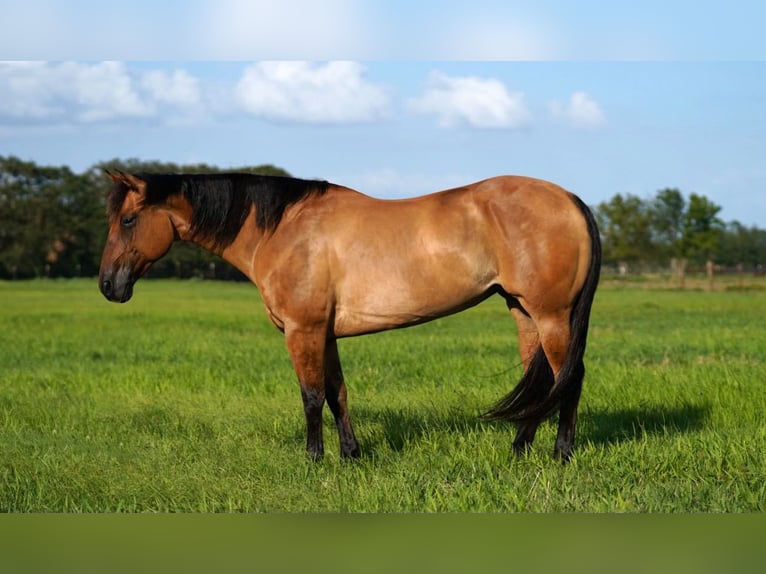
x: 221, y: 202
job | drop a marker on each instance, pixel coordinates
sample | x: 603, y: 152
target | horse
x: 331, y: 262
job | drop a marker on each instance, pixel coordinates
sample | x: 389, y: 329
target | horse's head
x: 140, y: 232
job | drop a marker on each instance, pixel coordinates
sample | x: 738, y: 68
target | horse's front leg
x: 307, y: 351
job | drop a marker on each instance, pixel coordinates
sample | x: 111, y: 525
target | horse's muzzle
x: 116, y: 286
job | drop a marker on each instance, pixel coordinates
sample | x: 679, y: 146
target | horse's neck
x: 242, y: 251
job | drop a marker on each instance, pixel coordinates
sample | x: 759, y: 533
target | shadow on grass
x: 400, y: 427
x: 620, y: 425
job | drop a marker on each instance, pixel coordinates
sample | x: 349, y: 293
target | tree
x: 741, y: 245
x: 624, y: 223
x: 666, y: 227
x: 702, y: 229
x: 667, y: 214
x: 45, y: 219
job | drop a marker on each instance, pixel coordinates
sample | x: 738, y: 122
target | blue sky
x: 401, y: 98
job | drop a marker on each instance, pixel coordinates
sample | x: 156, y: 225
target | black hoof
x: 521, y: 448
x: 563, y: 454
x: 352, y: 454
x: 315, y: 455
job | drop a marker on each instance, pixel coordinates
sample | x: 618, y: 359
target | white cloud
x: 72, y: 92
x: 471, y: 101
x: 99, y: 92
x: 69, y: 90
x: 24, y: 89
x: 66, y: 91
x: 179, y: 88
x: 335, y: 92
x: 581, y: 111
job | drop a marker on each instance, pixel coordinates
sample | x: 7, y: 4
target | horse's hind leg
x: 529, y: 343
x: 568, y: 415
x: 543, y: 343
x: 555, y: 340
x: 335, y: 392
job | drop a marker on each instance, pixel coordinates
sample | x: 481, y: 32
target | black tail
x: 538, y: 395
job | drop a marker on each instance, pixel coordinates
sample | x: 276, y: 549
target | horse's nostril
x: 106, y: 287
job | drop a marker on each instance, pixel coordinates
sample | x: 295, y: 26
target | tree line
x: 671, y: 230
x: 53, y: 224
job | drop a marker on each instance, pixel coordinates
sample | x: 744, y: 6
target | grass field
x: 184, y: 400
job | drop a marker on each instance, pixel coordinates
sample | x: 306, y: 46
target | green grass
x: 184, y: 400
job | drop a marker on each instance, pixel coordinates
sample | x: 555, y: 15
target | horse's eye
x: 128, y: 220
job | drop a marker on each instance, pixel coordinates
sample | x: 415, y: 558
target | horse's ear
x: 130, y: 181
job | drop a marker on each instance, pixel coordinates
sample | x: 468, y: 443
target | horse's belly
x: 392, y: 304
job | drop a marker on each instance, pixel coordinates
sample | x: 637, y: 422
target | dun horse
x: 331, y: 262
